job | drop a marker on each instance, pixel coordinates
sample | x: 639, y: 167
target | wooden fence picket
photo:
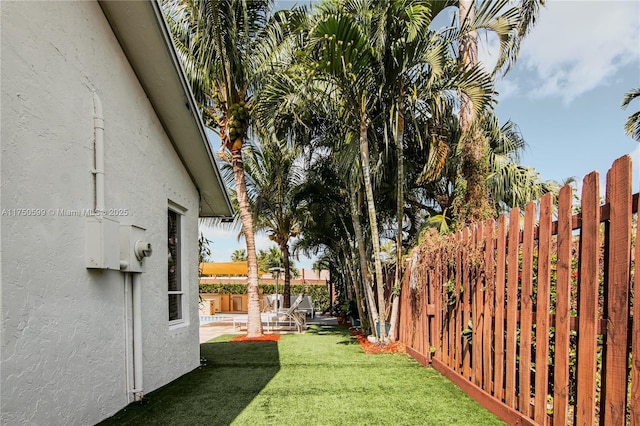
x: 501, y: 259
x: 588, y: 301
x: 512, y: 306
x: 526, y: 309
x: 477, y: 302
x: 542, y: 310
x: 634, y: 402
x: 617, y: 292
x: 465, y: 295
x: 561, y: 384
x: 489, y: 306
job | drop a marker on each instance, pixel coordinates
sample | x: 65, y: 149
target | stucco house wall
x: 63, y: 345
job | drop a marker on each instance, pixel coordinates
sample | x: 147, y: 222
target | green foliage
x: 239, y: 255
x: 204, y: 251
x: 451, y: 292
x: 227, y: 288
x: 467, y: 333
x: 632, y: 125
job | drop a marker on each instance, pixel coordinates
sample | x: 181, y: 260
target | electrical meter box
x: 133, y: 248
x: 102, y: 249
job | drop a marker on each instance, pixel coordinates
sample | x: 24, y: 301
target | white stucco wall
x: 63, y: 344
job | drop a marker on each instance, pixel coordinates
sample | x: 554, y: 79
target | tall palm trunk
x: 362, y: 256
x: 254, y: 321
x: 350, y: 262
x: 473, y: 205
x: 286, y: 292
x: 399, y: 137
x: 468, y: 57
x: 371, y: 208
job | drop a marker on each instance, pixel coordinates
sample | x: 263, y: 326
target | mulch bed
x: 263, y: 338
x: 377, y: 348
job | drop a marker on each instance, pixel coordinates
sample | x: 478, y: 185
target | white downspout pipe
x: 137, y: 336
x: 98, y: 129
x: 128, y: 335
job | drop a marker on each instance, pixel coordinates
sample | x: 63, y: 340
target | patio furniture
x: 306, y: 306
x: 292, y: 315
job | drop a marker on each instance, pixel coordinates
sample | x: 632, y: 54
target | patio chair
x: 306, y: 306
x: 292, y: 315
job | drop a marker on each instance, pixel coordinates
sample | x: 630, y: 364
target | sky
x: 564, y: 93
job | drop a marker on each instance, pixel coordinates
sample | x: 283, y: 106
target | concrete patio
x: 225, y: 324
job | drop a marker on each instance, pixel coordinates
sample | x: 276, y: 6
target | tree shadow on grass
x: 325, y: 330
x: 340, y: 331
x: 213, y: 394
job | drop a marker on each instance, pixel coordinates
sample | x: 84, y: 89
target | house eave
x: 146, y: 40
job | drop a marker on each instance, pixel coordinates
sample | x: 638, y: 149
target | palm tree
x: 632, y: 125
x: 346, y: 43
x: 510, y: 21
x: 215, y: 40
x: 510, y: 184
x: 274, y: 175
x: 338, y: 61
x: 239, y: 255
x: 419, y: 77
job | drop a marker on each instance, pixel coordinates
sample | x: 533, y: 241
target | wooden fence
x: 534, y: 317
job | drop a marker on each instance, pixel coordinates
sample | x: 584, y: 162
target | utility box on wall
x: 131, y: 237
x: 102, y: 248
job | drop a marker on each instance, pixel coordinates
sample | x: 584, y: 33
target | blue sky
x: 565, y: 90
x: 564, y: 93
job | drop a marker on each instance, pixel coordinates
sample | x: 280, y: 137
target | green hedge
x: 319, y: 293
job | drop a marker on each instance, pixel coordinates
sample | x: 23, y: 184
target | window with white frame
x: 174, y: 266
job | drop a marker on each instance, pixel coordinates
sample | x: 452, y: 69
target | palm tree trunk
x: 362, y: 256
x: 399, y: 136
x: 468, y: 57
x: 254, y: 321
x: 371, y: 208
x: 349, y: 256
x: 286, y: 292
x: 474, y: 203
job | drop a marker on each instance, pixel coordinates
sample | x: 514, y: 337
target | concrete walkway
x: 225, y: 325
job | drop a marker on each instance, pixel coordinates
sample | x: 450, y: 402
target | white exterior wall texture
x: 63, y: 326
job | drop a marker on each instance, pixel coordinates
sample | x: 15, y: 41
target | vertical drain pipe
x: 137, y: 336
x: 98, y: 129
x: 128, y: 336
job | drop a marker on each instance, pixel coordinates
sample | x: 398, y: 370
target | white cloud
x: 580, y: 45
x: 507, y: 88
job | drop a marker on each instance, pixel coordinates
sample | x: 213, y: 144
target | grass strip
x: 321, y: 377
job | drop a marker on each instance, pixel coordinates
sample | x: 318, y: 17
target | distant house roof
x: 146, y: 40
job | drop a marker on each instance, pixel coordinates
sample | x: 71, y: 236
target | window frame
x: 181, y: 319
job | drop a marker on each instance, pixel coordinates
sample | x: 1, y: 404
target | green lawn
x: 321, y: 377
